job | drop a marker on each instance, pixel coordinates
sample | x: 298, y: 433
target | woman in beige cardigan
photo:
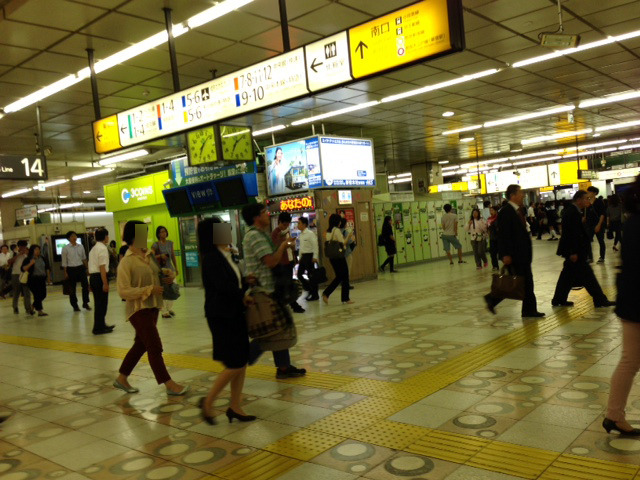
x: 139, y: 284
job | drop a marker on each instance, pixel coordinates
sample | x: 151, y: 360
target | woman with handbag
x: 166, y: 257
x: 139, y: 284
x: 336, y: 243
x: 224, y: 307
x: 477, y: 228
x: 387, y: 240
x: 37, y: 271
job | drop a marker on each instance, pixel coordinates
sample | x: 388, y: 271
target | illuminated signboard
x: 426, y: 29
x: 344, y: 197
x: 292, y: 204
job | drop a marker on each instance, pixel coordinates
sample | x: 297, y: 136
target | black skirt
x: 390, y: 247
x: 230, y: 341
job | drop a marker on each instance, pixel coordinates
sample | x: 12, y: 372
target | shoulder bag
x: 24, y: 278
x: 333, y: 249
x: 264, y: 317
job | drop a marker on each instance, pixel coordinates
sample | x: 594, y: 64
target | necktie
x: 522, y: 216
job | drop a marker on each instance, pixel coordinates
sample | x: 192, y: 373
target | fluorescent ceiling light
x: 438, y: 86
x: 61, y: 207
x: 453, y: 167
x: 100, y: 199
x: 625, y: 147
x: 581, y: 48
x: 451, y: 174
x: 616, y: 126
x: 597, y: 134
x: 51, y: 184
x: 536, y: 160
x: 214, y: 12
x: 335, y: 113
x: 443, y: 162
x: 448, y: 114
x: 536, y: 154
x: 269, y: 130
x: 128, y: 53
x: 609, y: 99
x: 123, y: 156
x: 467, y: 139
x: 459, y: 130
x: 600, y: 144
x: 16, y: 192
x: 235, y: 134
x: 400, y: 175
x: 401, y: 180
x: 93, y: 173
x: 62, y: 196
x: 555, y: 136
x: 87, y: 191
x: 528, y: 116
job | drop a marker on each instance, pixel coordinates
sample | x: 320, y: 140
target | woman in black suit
x: 224, y: 307
x: 389, y: 242
x: 628, y: 309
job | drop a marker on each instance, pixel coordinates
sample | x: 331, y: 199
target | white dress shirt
x: 4, y: 258
x: 99, y: 255
x: 73, y: 255
x: 308, y: 243
x: 16, y: 269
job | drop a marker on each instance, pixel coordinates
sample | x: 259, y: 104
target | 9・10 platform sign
x: 426, y: 29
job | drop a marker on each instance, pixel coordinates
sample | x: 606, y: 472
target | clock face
x: 237, y: 143
x: 202, y: 146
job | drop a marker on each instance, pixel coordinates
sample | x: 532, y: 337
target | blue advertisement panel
x: 313, y: 162
x: 287, y: 168
x: 347, y: 162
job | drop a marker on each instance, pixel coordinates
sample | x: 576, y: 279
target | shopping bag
x: 24, y: 278
x: 264, y: 317
x: 507, y: 285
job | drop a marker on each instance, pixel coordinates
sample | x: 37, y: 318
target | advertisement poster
x: 287, y: 168
x: 347, y: 162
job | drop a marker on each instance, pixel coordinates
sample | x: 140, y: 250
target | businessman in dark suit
x: 514, y: 243
x: 575, y: 246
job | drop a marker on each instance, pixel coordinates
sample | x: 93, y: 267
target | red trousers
x: 147, y: 340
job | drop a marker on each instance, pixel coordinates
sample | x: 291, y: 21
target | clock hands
x: 204, y: 143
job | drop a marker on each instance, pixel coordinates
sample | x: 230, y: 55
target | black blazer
x: 513, y: 238
x: 628, y: 301
x: 574, y: 240
x: 222, y: 298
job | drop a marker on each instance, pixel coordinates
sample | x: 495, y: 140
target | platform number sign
x: 20, y: 167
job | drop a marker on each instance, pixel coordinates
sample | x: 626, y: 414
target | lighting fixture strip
x: 128, y: 53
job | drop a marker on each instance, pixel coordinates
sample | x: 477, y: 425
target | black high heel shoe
x: 609, y: 425
x: 242, y: 418
x: 207, y: 418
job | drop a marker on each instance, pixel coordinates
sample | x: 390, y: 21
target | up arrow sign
x: 361, y: 46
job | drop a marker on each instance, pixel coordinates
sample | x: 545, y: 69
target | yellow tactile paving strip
x: 365, y: 421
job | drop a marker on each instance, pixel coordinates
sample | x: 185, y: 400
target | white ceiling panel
x: 63, y: 14
x: 237, y: 26
x: 341, y: 17
x: 117, y: 26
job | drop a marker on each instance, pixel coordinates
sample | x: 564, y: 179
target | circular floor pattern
x: 472, y: 383
x: 576, y: 396
x: 8, y: 464
x: 165, y: 472
x: 474, y: 422
x: 619, y: 445
x: 204, y: 456
x: 489, y: 374
x: 409, y: 466
x: 494, y: 408
x: 351, y: 452
x: 22, y: 475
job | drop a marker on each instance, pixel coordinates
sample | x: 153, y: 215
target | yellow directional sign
x: 105, y: 134
x: 407, y: 35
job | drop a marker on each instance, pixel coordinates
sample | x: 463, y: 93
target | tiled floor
x: 416, y: 380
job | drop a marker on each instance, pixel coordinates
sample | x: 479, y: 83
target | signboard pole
x: 172, y: 49
x: 284, y: 25
x: 94, y: 84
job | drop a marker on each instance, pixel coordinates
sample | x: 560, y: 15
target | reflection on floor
x: 416, y: 380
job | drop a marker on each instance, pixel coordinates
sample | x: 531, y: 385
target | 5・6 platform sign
x: 23, y: 167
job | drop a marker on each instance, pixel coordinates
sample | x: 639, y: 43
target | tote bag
x: 506, y: 285
x: 334, y: 249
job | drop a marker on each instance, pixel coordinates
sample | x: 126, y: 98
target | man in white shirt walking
x: 74, y: 262
x: 308, y: 258
x: 98, y: 267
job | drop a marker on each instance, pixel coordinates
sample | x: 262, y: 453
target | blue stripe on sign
x: 160, y: 123
x: 237, y: 100
x: 184, y: 101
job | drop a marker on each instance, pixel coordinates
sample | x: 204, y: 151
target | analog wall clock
x: 237, y: 143
x: 202, y: 146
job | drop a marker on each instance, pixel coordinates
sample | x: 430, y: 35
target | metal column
x: 172, y: 49
x: 94, y: 84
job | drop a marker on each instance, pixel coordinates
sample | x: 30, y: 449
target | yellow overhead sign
x: 105, y: 134
x: 405, y: 36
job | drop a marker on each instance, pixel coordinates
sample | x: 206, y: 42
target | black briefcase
x: 318, y: 275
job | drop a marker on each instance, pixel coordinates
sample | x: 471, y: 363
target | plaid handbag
x: 265, y: 317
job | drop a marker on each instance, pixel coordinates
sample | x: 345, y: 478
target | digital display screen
x: 232, y: 192
x: 177, y: 201
x: 347, y: 162
x: 293, y: 167
x: 60, y: 243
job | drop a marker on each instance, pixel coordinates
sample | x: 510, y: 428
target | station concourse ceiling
x: 41, y: 41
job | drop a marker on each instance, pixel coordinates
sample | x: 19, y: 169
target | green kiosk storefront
x: 141, y: 199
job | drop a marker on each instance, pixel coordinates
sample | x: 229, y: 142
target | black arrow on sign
x: 361, y: 46
x: 122, y: 129
x: 314, y: 65
x: 98, y: 136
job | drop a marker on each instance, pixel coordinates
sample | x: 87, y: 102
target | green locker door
x: 398, y: 229
x: 409, y: 241
x: 417, y: 231
x: 424, y: 231
x: 378, y: 209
